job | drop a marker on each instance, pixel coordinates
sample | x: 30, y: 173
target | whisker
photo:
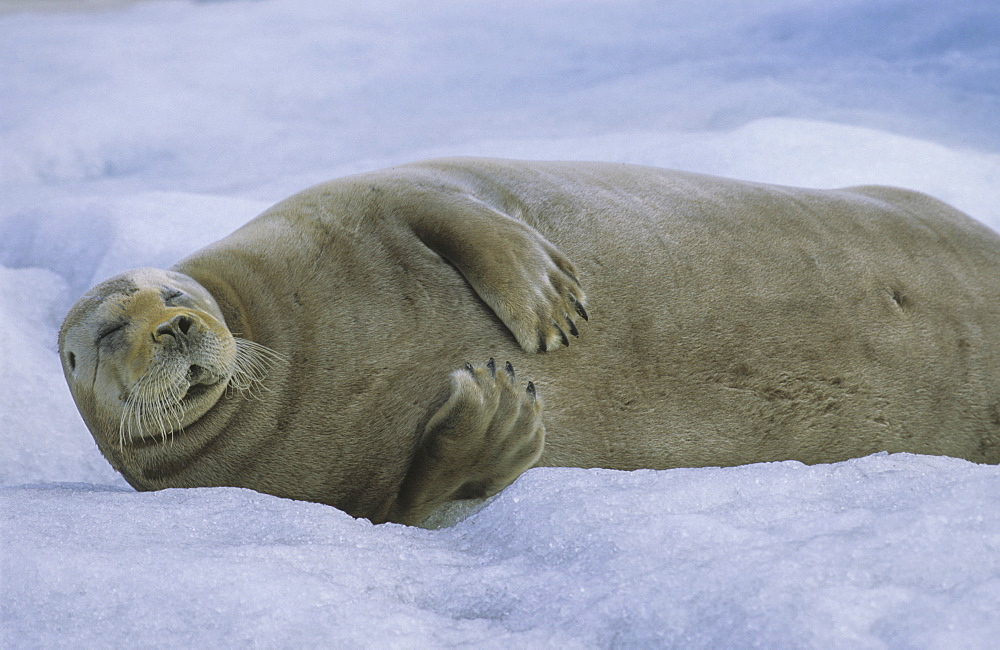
x: 155, y: 404
x: 253, y: 362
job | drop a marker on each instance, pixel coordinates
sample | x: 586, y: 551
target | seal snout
x: 200, y: 380
x: 200, y: 375
x: 178, y: 327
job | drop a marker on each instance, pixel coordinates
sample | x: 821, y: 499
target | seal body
x: 730, y: 323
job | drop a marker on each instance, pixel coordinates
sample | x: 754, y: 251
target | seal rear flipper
x: 488, y: 432
x: 527, y: 282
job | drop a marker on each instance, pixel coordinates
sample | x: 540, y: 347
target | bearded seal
x: 321, y: 351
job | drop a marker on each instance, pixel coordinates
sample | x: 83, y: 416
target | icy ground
x: 133, y: 135
x: 896, y: 550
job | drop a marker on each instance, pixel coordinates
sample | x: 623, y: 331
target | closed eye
x: 110, y: 330
x: 171, y: 294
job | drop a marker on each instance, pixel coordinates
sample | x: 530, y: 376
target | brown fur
x: 732, y: 323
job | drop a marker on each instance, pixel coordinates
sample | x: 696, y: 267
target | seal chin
x: 167, y: 398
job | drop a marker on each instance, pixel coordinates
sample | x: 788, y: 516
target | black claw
x: 541, y: 343
x: 565, y: 340
x: 468, y: 368
x: 583, y: 312
x: 572, y: 327
x: 491, y: 365
x: 531, y: 390
x: 574, y: 279
x: 510, y: 370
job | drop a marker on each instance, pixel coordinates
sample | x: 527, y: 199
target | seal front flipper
x: 488, y: 432
x: 527, y: 282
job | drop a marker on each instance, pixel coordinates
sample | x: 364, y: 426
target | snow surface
x: 132, y: 135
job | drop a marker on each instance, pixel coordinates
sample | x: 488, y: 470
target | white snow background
x: 133, y: 135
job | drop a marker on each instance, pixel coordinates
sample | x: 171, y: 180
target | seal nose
x: 176, y: 327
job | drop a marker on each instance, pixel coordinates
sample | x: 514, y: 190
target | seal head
x: 146, y: 353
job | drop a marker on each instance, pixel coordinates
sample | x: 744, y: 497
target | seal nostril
x: 179, y: 325
x: 184, y: 323
x: 165, y: 329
